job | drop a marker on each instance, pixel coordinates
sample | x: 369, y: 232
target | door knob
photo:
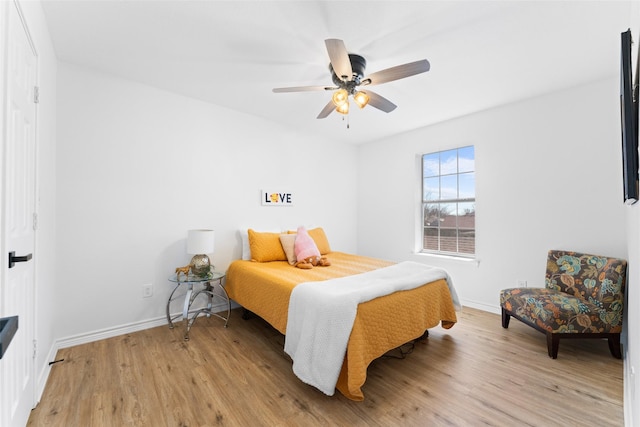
x: 13, y: 258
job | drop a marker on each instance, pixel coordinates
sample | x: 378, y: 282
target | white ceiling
x: 232, y: 53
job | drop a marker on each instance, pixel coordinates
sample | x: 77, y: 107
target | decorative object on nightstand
x: 184, y: 270
x: 199, y: 244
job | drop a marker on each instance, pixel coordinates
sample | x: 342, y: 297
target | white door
x: 17, y: 371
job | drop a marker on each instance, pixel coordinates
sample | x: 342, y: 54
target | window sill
x: 472, y: 260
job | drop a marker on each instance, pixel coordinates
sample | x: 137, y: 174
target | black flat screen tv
x: 629, y: 118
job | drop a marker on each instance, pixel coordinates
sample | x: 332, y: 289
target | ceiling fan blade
x: 326, y: 110
x: 339, y: 58
x: 397, y: 72
x: 380, y: 102
x: 302, y: 89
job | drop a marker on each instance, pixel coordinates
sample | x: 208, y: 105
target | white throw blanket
x: 321, y: 316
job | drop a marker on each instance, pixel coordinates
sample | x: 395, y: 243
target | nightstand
x: 209, y: 287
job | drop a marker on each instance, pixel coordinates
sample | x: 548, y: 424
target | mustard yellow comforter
x: 381, y: 324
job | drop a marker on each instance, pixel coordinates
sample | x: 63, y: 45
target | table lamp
x: 199, y: 244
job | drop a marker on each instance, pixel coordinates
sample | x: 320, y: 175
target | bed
x: 381, y: 324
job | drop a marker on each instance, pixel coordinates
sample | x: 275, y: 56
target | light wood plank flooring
x: 474, y: 374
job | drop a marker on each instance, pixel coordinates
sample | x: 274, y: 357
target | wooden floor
x: 476, y: 373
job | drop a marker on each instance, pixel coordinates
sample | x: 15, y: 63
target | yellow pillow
x: 266, y: 247
x: 318, y: 236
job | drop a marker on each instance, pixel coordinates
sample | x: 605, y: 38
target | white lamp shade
x: 200, y: 242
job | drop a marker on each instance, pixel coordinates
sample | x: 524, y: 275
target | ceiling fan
x: 347, y: 73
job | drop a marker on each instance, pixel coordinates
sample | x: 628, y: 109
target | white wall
x: 548, y: 175
x: 138, y: 167
x: 632, y: 348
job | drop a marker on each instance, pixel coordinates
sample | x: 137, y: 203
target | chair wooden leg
x: 505, y: 318
x: 614, y: 345
x: 553, y: 342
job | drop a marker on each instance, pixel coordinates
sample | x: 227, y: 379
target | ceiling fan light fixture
x: 361, y: 98
x: 348, y: 74
x: 343, y: 108
x: 340, y: 97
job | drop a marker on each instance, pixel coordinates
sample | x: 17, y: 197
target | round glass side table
x: 211, y: 289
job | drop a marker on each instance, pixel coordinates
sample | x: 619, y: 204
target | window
x: 449, y: 202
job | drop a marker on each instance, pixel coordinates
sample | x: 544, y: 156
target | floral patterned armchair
x: 583, y: 297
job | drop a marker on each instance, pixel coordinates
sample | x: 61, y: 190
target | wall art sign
x: 277, y: 198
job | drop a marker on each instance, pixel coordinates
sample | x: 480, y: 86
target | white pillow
x: 246, y: 250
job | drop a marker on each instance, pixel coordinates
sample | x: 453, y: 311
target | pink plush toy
x: 307, y: 252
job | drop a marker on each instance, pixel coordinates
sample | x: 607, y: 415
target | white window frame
x: 459, y: 200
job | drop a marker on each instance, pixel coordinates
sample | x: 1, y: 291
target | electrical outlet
x: 522, y: 283
x: 147, y: 290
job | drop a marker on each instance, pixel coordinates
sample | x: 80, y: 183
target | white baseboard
x: 110, y: 332
x: 482, y: 306
x: 628, y: 391
x: 124, y: 329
